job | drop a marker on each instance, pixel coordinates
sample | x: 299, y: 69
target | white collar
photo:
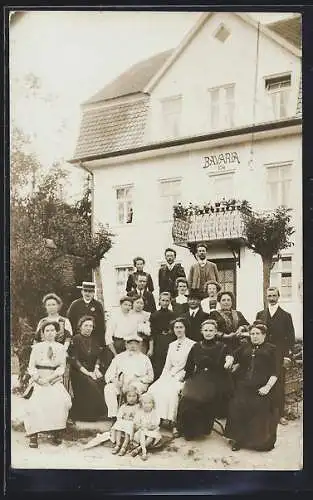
x: 193, y: 312
x: 87, y: 302
x: 273, y: 308
x: 202, y: 263
x: 170, y: 266
x: 181, y: 299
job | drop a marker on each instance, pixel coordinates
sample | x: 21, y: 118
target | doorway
x: 227, y: 275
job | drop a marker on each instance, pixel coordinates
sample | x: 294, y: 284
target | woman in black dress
x: 86, y: 378
x: 161, y: 334
x: 180, y: 301
x: 253, y: 414
x: 232, y: 325
x: 205, y: 380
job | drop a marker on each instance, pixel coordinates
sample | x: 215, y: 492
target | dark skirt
x: 198, y: 406
x: 88, y: 401
x: 252, y: 419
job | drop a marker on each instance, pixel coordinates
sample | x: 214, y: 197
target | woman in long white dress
x: 48, y: 406
x: 167, y: 388
x: 52, y: 304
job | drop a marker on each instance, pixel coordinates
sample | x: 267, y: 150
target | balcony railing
x: 217, y: 224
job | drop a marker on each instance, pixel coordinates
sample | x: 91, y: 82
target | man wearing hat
x: 203, y: 271
x: 87, y: 305
x: 131, y: 368
x: 210, y: 303
x: 195, y: 315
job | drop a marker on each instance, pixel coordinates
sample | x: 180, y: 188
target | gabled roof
x: 112, y: 128
x: 290, y: 29
x: 119, y: 125
x: 133, y: 80
x: 265, y: 29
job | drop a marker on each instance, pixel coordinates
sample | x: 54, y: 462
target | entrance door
x: 227, y: 275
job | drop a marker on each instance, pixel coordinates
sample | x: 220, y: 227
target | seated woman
x: 161, y: 333
x: 232, y: 325
x: 86, y: 378
x: 49, y: 403
x: 253, y: 415
x: 130, y: 368
x: 180, y: 302
x: 204, y: 382
x: 210, y: 303
x: 167, y: 388
x: 141, y: 322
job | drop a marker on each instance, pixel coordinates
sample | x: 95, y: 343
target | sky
x: 74, y: 54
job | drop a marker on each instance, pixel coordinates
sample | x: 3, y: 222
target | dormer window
x: 171, y: 114
x: 278, y: 91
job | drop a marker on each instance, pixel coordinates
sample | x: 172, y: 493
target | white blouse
x: 176, y: 358
x: 39, y: 357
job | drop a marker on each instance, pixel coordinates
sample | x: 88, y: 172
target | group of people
x: 182, y: 365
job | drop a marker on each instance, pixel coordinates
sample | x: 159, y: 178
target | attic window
x: 278, y: 82
x: 222, y: 33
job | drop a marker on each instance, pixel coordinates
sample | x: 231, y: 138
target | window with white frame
x: 171, y: 114
x: 170, y: 195
x: 278, y: 92
x: 281, y: 276
x: 122, y: 274
x: 124, y: 197
x: 279, y: 178
x: 223, y: 186
x: 222, y: 106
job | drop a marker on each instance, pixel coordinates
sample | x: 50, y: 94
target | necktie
x: 50, y: 352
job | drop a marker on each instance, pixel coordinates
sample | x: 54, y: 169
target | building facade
x: 219, y: 117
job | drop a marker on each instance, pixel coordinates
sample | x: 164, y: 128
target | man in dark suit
x: 141, y: 291
x: 281, y: 333
x: 139, y: 263
x: 169, y: 272
x: 87, y: 305
x: 195, y: 315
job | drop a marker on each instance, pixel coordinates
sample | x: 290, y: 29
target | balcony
x: 212, y: 224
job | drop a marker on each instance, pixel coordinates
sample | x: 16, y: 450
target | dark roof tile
x: 133, y: 80
x: 290, y: 29
x: 112, y: 128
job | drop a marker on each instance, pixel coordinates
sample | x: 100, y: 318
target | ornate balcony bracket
x: 234, y: 247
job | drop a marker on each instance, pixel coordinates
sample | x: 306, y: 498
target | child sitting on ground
x: 124, y: 425
x: 146, y: 426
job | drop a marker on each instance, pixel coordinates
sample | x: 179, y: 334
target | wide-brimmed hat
x: 134, y: 338
x: 212, y: 282
x: 89, y: 286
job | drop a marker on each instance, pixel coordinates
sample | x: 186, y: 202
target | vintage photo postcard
x: 156, y: 240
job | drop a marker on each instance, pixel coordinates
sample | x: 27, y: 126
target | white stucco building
x: 155, y: 136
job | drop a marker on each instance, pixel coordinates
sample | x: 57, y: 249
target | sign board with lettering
x: 221, y: 162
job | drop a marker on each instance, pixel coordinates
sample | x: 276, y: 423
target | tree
x: 267, y: 233
x: 47, y: 234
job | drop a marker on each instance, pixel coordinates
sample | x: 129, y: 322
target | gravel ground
x: 212, y: 452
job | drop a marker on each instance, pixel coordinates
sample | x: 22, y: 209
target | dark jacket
x: 194, y: 332
x: 281, y: 331
x: 79, y: 308
x: 167, y: 278
x: 131, y: 281
x: 148, y: 298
